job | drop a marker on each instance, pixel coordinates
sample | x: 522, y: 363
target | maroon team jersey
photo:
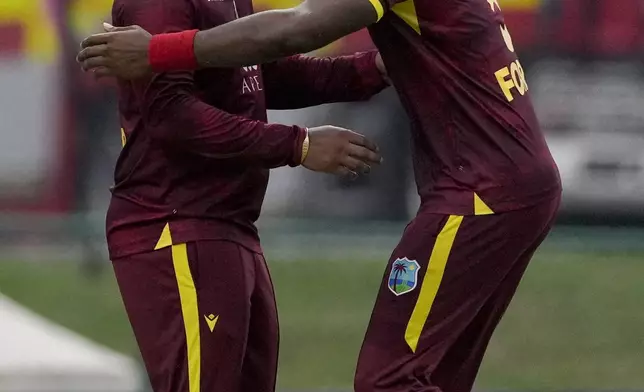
x: 197, y: 149
x: 477, y: 145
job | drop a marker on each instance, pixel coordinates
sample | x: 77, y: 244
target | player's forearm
x: 269, y: 35
x: 302, y: 81
x: 255, y: 39
x: 191, y: 125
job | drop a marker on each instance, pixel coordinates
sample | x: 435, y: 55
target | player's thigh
x: 383, y: 363
x: 188, y: 306
x: 459, y: 367
x: 460, y: 262
x: 151, y: 297
x: 465, y: 355
x: 225, y: 283
x: 260, y: 362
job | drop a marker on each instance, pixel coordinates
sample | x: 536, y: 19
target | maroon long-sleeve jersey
x: 197, y: 149
x: 477, y: 145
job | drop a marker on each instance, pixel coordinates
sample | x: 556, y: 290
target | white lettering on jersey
x: 251, y: 82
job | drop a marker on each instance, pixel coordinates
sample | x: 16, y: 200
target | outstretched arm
x: 302, y: 81
x: 270, y: 35
x: 130, y: 52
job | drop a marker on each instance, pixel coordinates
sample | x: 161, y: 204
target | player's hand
x: 340, y: 151
x: 120, y: 52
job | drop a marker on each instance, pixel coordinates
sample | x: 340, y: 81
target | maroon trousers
x: 445, y: 289
x: 204, y: 317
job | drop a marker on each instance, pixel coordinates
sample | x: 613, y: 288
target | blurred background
x: 577, y: 321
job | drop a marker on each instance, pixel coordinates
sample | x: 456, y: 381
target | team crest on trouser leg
x: 403, y: 277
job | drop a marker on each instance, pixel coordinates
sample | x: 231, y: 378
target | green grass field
x: 577, y: 321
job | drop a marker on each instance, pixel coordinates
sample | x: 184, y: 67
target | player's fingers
x: 360, y: 140
x: 94, y: 62
x: 356, y: 165
x: 365, y: 154
x: 109, y: 28
x: 96, y: 39
x: 92, y: 51
x: 346, y: 173
x: 102, y: 72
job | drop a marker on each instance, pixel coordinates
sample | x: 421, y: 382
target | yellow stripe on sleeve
x: 379, y: 8
x: 190, y: 312
x: 432, y: 280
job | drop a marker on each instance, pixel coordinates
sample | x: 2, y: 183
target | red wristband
x: 173, y: 51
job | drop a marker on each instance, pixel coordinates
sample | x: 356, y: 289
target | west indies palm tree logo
x: 403, y: 277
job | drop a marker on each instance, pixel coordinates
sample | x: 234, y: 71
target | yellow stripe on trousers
x: 190, y: 311
x: 432, y: 280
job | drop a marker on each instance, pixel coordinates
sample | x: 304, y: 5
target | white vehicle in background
x: 593, y: 119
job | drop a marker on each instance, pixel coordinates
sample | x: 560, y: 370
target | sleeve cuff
x: 369, y: 72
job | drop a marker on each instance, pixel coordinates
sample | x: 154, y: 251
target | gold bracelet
x: 305, y: 146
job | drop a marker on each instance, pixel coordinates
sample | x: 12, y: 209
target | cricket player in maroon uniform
x: 489, y: 187
x: 189, y: 185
